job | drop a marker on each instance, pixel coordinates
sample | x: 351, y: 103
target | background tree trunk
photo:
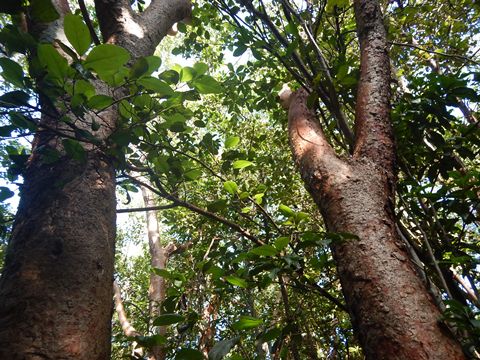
x: 158, y: 259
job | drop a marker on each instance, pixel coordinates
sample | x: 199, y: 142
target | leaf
x: 150, y: 341
x: 106, y: 59
x: 170, y: 76
x: 200, y: 68
x: 187, y: 73
x: 145, y: 66
x: 168, y: 319
x: 231, y: 142
x: 99, y: 102
x: 163, y: 273
x: 222, y: 348
x: 236, y: 281
x: 77, y: 33
x: 231, y: 187
x: 14, y: 99
x: 158, y: 86
x: 217, y: 205
x: 271, y: 334
x: 207, y: 85
x: 264, y: 250
x: 247, y: 322
x: 240, y: 164
x: 43, y: 11
x: 282, y: 242
x: 12, y: 71
x: 193, y: 174
x: 286, y: 211
x: 74, y: 149
x: 56, y: 64
x: 189, y: 354
x: 5, y: 193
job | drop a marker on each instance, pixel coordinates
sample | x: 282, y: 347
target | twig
x: 453, y: 56
x: 86, y: 17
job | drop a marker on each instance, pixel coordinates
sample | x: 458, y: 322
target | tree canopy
x: 250, y: 271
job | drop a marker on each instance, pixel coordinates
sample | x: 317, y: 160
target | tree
x: 56, y: 286
x: 261, y: 268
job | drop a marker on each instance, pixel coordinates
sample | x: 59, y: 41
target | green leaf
x: 106, y: 59
x: 74, y: 149
x: 247, y: 322
x: 43, y: 11
x: 207, y: 85
x: 217, y: 205
x: 14, y: 99
x: 145, y: 66
x: 236, y: 281
x: 158, y: 86
x: 231, y: 142
x: 240, y: 164
x: 5, y: 193
x: 187, y: 73
x: 99, y: 102
x: 170, y: 76
x: 56, y: 64
x: 163, y: 273
x: 231, y: 187
x: 222, y: 348
x: 189, y: 354
x: 193, y: 174
x: 264, y: 250
x: 271, y: 334
x: 12, y: 71
x: 282, y: 242
x: 168, y: 319
x: 150, y: 341
x: 286, y: 211
x: 200, y: 68
x: 77, y: 33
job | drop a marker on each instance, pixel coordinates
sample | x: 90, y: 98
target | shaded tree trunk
x: 393, y: 314
x: 56, y: 286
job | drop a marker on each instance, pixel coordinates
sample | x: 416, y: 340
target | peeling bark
x: 393, y: 314
x: 55, y: 289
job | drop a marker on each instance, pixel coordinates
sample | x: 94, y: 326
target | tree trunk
x: 56, y: 286
x: 158, y: 259
x: 393, y: 314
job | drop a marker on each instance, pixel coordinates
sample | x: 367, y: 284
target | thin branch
x: 150, y: 208
x: 88, y: 21
x: 160, y: 191
x: 451, y: 56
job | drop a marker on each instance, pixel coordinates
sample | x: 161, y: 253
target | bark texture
x: 392, y: 312
x: 56, y: 286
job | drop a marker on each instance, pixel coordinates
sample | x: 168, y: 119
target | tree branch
x: 88, y: 21
x: 160, y: 15
x: 374, y: 133
x: 150, y: 208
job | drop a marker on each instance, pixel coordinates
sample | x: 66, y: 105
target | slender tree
x: 56, y: 287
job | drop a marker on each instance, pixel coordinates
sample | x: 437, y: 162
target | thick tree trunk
x: 392, y: 312
x: 56, y: 286
x: 55, y: 290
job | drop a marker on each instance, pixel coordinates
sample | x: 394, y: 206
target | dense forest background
x: 224, y: 254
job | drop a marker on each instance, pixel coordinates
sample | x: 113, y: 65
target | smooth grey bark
x: 56, y: 286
